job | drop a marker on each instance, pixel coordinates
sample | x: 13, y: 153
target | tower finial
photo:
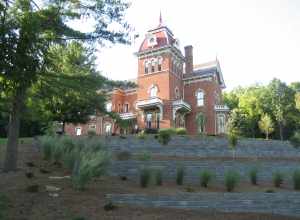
x: 160, y: 19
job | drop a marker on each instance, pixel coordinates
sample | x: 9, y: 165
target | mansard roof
x: 206, y: 70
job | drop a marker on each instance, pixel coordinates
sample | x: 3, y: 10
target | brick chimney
x: 188, y: 50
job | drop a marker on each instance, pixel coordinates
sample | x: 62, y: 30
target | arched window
x: 153, y: 65
x: 153, y: 91
x: 159, y: 63
x: 200, y: 97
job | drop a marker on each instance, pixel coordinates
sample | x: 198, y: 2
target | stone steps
x: 281, y: 203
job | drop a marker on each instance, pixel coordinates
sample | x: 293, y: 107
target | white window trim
x: 203, y: 99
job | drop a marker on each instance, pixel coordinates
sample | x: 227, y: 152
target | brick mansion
x: 171, y: 92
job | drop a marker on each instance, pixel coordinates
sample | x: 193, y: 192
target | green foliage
x: 3, y: 206
x: 297, y: 100
x: 124, y: 155
x: 141, y: 135
x: 266, y: 125
x: 181, y: 131
x: 231, y: 180
x: 249, y: 105
x: 180, y: 172
x: 145, y: 177
x: 205, y: 178
x: 28, y: 30
x: 158, y: 177
x: 164, y: 135
x: 85, y: 157
x: 296, y: 179
x: 232, y: 140
x: 145, y: 156
x: 253, y: 175
x: 277, y: 179
x: 295, y: 139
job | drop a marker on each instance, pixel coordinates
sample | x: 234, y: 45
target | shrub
x: 295, y: 139
x: 141, y: 135
x: 179, y: 175
x: 231, y: 180
x: 181, y: 131
x: 164, y: 136
x: 151, y: 131
x: 205, y: 178
x: 123, y: 155
x: 91, y: 133
x: 277, y: 179
x: 296, y: 179
x: 158, y: 177
x: 109, y: 206
x: 145, y: 156
x: 145, y: 177
x: 270, y: 191
x: 253, y: 176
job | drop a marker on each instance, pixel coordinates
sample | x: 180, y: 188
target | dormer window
x: 152, y: 40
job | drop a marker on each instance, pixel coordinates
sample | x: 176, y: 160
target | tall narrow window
x: 146, y: 66
x: 152, y: 65
x: 177, y: 95
x: 200, y: 98
x: 126, y: 108
x: 159, y: 64
x: 153, y: 91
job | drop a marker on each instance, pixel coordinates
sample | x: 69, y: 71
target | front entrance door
x: 78, y: 131
x: 152, y: 120
x: 221, y: 123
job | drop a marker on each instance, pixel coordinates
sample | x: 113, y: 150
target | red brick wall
x: 209, y: 88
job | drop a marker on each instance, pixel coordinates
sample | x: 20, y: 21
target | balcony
x: 127, y: 116
x: 222, y: 108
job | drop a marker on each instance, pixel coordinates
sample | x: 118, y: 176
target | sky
x: 254, y: 40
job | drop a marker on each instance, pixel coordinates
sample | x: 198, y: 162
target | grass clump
x: 295, y: 139
x: 253, y: 176
x: 231, y: 180
x: 84, y: 157
x: 123, y: 155
x: 179, y: 175
x: 141, y: 135
x: 145, y: 177
x: 181, y: 131
x: 296, y: 179
x: 277, y: 179
x: 205, y: 178
x: 158, y: 177
x: 3, y: 206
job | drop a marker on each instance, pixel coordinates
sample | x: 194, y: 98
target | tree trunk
x: 280, y: 131
x: 11, y: 157
x: 267, y: 135
x: 63, y: 127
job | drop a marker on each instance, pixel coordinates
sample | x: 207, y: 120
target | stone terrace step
x: 205, y: 147
x: 266, y: 169
x: 283, y: 203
